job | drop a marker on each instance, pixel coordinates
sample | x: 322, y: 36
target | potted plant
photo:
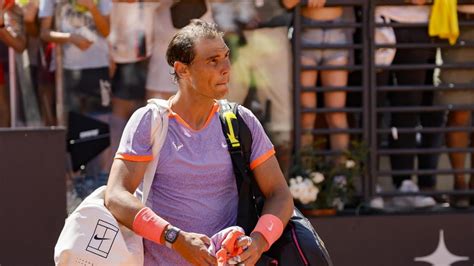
x: 322, y: 187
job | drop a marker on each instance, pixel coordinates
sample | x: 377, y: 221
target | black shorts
x: 129, y: 81
x: 87, y: 90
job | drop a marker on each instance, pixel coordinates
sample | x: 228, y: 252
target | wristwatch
x: 171, y: 234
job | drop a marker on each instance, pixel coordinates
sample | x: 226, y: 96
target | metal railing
x: 370, y: 109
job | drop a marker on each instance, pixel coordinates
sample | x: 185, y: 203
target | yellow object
x: 81, y: 8
x: 22, y: 3
x: 444, y: 20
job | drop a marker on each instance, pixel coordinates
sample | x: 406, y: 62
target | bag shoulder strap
x: 159, y: 130
x: 239, y: 143
x: 239, y: 139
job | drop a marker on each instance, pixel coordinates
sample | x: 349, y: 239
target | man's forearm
x: 102, y: 22
x: 18, y: 43
x: 55, y: 36
x: 279, y: 204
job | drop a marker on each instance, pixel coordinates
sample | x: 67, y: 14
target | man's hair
x: 181, y: 46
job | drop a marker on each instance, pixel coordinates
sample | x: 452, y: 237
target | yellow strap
x: 229, y: 115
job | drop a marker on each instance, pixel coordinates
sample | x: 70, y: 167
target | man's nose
x: 226, y: 67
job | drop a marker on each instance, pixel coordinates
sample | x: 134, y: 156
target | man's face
x: 210, y: 69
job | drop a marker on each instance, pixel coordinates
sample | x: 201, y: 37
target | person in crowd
x: 12, y: 31
x: 159, y: 84
x: 194, y: 193
x: 416, y: 13
x: 465, y: 97
x: 81, y: 28
x: 42, y: 78
x: 131, y: 42
x: 316, y: 12
x: 12, y: 34
x: 262, y: 31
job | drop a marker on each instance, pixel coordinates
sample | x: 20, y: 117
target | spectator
x: 81, y: 28
x: 194, y: 187
x: 400, y: 162
x: 263, y: 62
x: 159, y: 84
x: 12, y: 34
x: 42, y: 78
x: 131, y: 43
x: 459, y: 118
x: 315, y: 12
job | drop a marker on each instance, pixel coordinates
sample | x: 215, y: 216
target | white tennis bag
x: 91, y: 235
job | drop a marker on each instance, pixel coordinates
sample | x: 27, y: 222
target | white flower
x: 350, y: 164
x: 303, y: 190
x: 317, y: 177
x: 292, y: 182
x: 299, y: 179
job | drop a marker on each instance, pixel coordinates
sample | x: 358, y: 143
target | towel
x: 224, y: 244
x: 444, y: 20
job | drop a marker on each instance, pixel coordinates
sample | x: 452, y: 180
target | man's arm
x: 102, y: 22
x: 125, y: 176
x: 18, y: 42
x: 278, y: 204
x: 49, y: 35
x: 272, y: 183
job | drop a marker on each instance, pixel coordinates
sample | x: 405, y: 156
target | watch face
x: 171, y: 235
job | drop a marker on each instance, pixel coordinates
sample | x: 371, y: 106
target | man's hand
x: 79, y: 41
x: 252, y: 254
x: 89, y: 4
x: 316, y: 3
x: 418, y: 2
x: 193, y: 247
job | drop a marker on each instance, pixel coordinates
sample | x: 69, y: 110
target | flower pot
x: 319, y: 212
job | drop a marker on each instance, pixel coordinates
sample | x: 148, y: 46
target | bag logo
x: 102, y: 239
x: 229, y: 116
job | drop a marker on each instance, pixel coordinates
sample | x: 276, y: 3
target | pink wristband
x: 271, y: 227
x: 149, y: 225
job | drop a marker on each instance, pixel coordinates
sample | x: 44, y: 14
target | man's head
x: 200, y: 59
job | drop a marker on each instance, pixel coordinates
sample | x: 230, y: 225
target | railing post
x: 13, y: 89
x: 296, y: 76
x: 372, y: 97
x: 60, y: 115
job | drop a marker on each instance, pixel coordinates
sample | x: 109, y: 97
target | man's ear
x: 181, y: 69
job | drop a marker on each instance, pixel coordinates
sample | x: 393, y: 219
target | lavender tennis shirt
x: 194, y: 186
